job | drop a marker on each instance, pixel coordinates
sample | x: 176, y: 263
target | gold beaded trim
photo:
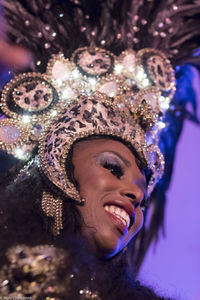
x: 52, y: 207
x: 33, y: 115
x: 22, y: 140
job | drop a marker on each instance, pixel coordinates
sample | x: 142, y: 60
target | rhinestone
x: 171, y: 30
x: 9, y: 134
x: 87, y: 17
x: 47, y: 46
x: 61, y: 15
x: 36, y: 130
x: 27, y: 22
x: 136, y: 40
x: 93, y: 33
x: 136, y: 29
x: 175, y: 51
x: 39, y: 34
x: 83, y: 28
x: 168, y: 21
x: 119, y: 36
x: 38, y: 63
x: 103, y: 42
x: 136, y: 18
x: 54, y: 34
x: 143, y: 22
x: 47, y: 27
x: 160, y: 25
x: 174, y: 7
x: 155, y: 33
x: 121, y: 106
x: 163, y: 34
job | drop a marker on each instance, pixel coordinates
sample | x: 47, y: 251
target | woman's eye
x: 114, y: 169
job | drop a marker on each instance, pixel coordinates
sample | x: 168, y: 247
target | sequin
x: 47, y: 45
x: 27, y: 22
x: 9, y: 134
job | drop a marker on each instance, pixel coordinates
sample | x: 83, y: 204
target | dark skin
x: 108, y: 175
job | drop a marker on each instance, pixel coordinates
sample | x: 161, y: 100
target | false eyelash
x: 114, y: 168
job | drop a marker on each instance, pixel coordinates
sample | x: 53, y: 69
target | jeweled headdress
x: 93, y: 93
x: 128, y: 90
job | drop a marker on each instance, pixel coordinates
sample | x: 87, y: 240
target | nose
x: 133, y: 193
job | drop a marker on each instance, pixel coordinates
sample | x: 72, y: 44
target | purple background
x: 172, y: 267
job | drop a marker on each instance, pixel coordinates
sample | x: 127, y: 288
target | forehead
x: 98, y: 145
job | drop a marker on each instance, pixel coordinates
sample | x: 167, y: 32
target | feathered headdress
x: 112, y: 74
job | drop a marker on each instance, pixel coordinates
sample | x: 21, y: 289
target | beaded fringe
x: 52, y: 207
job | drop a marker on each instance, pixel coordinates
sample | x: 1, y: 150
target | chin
x: 106, y: 246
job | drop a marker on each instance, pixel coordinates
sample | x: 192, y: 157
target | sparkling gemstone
x: 9, y: 134
x: 47, y: 27
x: 174, y: 7
x: 129, y: 61
x: 47, y: 45
x: 60, y: 70
x: 27, y: 22
x: 109, y: 88
x: 163, y: 34
x: 36, y: 130
x: 168, y: 21
x: 136, y: 29
x: 39, y: 34
x: 155, y: 33
x: 83, y: 28
x: 144, y: 22
x: 136, y: 40
x: 160, y: 25
x: 103, y: 42
x: 121, y: 106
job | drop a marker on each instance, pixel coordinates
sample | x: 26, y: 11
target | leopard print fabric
x: 79, y: 120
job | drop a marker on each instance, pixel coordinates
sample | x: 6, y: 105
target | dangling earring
x: 52, y: 207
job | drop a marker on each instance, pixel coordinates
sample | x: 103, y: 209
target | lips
x: 122, y: 214
x: 119, y: 213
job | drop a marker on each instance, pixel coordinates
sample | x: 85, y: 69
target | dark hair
x: 22, y: 222
x: 110, y: 22
x: 20, y: 203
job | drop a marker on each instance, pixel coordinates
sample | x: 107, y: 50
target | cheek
x: 95, y: 182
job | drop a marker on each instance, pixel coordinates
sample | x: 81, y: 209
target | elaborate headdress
x: 92, y: 91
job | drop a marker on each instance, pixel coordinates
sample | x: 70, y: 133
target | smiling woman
x: 113, y: 188
x: 87, y: 127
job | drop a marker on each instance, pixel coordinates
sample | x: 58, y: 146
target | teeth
x: 119, y: 213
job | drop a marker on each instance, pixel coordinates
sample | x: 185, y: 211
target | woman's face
x: 113, y: 187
